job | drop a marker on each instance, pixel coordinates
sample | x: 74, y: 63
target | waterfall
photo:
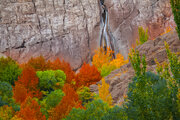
x: 106, y: 37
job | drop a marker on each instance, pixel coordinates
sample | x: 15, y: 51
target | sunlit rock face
x: 126, y: 15
x: 69, y: 29
x: 53, y: 28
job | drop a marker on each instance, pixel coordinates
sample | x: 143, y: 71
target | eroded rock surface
x: 119, y: 79
x: 52, y: 28
x: 126, y: 15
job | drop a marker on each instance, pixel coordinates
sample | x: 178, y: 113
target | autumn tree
x: 102, y: 57
x: 6, y: 112
x: 30, y: 81
x: 69, y: 101
x: 38, y: 63
x: 104, y: 92
x: 105, y: 63
x: 30, y: 110
x: 9, y: 70
x: 20, y: 93
x: 87, y: 75
x: 64, y: 66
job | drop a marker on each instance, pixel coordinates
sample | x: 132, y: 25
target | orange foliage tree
x: 69, y: 101
x: 30, y: 110
x: 27, y: 85
x: 19, y: 93
x: 64, y: 66
x: 38, y: 63
x: 87, y: 75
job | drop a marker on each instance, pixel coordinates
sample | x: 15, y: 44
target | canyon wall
x: 69, y: 29
x: 126, y: 15
x: 52, y: 28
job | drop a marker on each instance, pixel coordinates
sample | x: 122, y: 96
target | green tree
x: 51, y: 80
x: 115, y: 113
x: 143, y: 36
x: 51, y: 100
x: 152, y: 96
x: 175, y: 5
x: 85, y: 94
x: 5, y: 93
x: 149, y: 98
x: 9, y: 70
x: 171, y: 72
x: 6, y: 96
x: 95, y: 110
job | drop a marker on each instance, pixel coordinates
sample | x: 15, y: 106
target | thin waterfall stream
x: 106, y: 37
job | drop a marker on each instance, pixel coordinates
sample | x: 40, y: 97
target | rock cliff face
x: 126, y: 15
x: 69, y: 29
x: 119, y: 79
x: 52, y: 28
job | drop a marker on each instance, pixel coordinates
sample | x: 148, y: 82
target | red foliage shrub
x: 69, y: 101
x: 30, y: 110
x: 87, y: 75
x: 64, y: 66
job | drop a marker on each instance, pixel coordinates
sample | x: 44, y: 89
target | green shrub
x: 9, y: 70
x: 95, y: 110
x: 51, y: 80
x: 143, y: 36
x: 115, y: 113
x: 107, y: 69
x: 85, y: 94
x: 175, y: 5
x: 5, y: 93
x: 51, y: 100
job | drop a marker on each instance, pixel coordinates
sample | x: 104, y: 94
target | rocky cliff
x: 70, y: 29
x: 52, y: 28
x: 120, y: 78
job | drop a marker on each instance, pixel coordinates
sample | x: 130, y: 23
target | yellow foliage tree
x: 105, y: 63
x: 101, y: 57
x: 104, y: 92
x: 6, y: 112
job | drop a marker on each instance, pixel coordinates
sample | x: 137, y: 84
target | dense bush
x: 95, y: 110
x: 6, y: 112
x: 9, y: 70
x: 175, y: 5
x: 51, y: 80
x: 84, y: 94
x: 149, y: 98
x: 5, y: 93
x: 50, y: 101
